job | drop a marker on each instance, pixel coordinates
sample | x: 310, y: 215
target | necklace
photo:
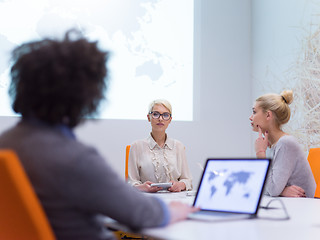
x: 162, y: 143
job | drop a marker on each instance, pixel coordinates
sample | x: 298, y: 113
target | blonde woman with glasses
x: 158, y: 158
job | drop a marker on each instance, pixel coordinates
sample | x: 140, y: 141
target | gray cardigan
x: 289, y: 167
x: 76, y: 185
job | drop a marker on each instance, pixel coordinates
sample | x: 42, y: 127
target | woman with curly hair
x: 290, y: 174
x: 55, y: 84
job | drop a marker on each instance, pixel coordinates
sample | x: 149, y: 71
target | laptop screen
x: 232, y: 185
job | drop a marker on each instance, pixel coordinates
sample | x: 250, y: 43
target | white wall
x: 222, y: 90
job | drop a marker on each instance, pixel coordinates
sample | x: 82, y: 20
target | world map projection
x: 150, y: 41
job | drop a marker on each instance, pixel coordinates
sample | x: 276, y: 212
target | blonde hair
x: 163, y: 102
x: 278, y: 104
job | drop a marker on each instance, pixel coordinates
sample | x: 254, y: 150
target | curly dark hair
x: 58, y: 81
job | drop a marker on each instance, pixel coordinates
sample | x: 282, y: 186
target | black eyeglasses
x: 165, y: 116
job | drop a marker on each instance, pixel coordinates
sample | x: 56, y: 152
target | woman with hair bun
x: 290, y: 174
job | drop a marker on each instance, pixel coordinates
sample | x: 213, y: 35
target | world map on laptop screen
x: 232, y: 185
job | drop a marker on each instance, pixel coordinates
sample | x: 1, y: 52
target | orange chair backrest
x: 127, y: 162
x: 314, y: 161
x: 21, y: 213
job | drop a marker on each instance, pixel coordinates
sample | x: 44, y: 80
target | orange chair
x: 127, y: 162
x: 21, y: 213
x: 314, y: 161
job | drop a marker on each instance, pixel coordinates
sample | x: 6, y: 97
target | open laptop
x: 230, y: 189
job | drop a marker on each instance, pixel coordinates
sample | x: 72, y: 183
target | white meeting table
x: 304, y: 222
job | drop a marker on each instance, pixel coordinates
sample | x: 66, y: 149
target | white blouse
x: 149, y: 162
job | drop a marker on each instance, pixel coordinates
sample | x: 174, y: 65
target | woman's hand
x: 293, y: 191
x: 177, y: 186
x: 261, y: 144
x: 146, y: 187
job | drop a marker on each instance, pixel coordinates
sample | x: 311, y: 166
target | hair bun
x: 287, y: 96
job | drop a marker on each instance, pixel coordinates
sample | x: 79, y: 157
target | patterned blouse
x: 149, y: 162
